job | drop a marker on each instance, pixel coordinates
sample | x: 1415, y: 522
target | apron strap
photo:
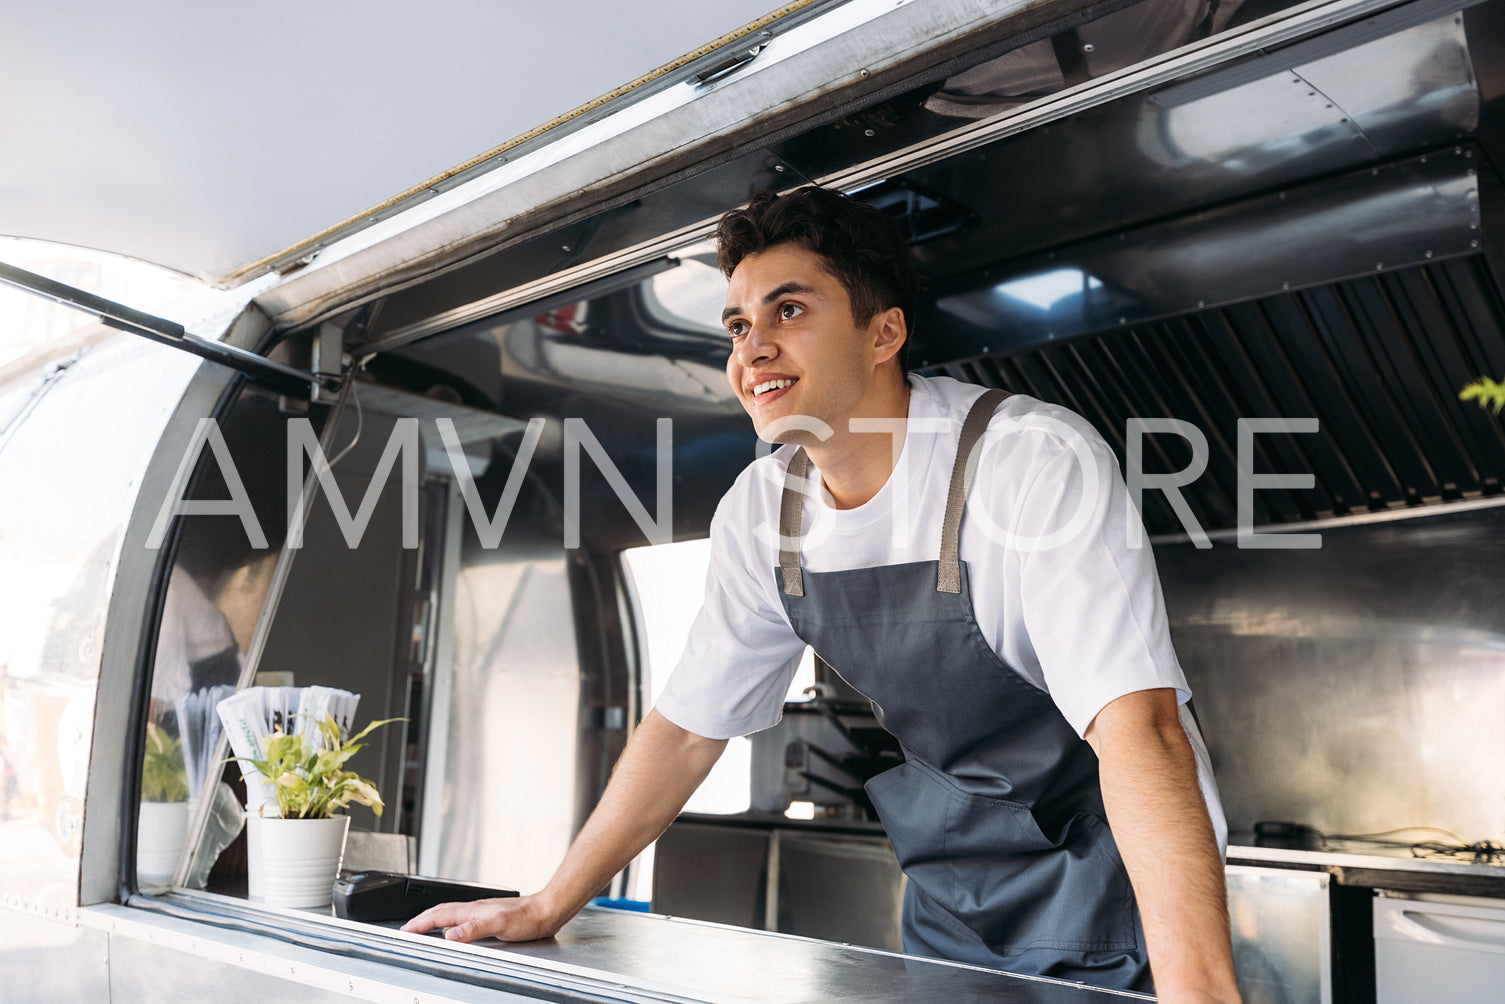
x: 791, y: 509
x: 949, y: 578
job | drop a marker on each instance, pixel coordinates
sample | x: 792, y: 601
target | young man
x: 962, y: 560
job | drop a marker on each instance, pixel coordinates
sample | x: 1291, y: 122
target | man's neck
x: 854, y: 466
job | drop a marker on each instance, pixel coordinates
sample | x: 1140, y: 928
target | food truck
x: 459, y: 455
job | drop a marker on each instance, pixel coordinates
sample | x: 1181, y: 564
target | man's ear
x: 889, y: 333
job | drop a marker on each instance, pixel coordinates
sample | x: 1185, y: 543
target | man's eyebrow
x: 782, y: 290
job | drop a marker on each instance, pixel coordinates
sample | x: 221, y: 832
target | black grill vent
x: 1378, y: 361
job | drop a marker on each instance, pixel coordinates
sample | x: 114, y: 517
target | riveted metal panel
x: 51, y: 960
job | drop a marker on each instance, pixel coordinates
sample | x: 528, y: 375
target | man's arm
x: 657, y: 773
x: 1160, y: 822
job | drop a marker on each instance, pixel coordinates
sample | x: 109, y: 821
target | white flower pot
x: 293, y: 862
x: 159, y: 841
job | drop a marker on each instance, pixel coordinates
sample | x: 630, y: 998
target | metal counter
x: 711, y: 962
x: 1382, y: 868
x: 206, y: 943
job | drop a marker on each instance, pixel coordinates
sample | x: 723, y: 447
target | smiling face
x: 797, y: 350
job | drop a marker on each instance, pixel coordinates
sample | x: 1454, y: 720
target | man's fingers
x: 462, y: 932
x: 511, y: 919
x: 443, y: 915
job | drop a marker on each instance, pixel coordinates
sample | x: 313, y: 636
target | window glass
x: 668, y: 582
x: 692, y: 295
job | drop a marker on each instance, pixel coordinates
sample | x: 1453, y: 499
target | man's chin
x: 794, y: 430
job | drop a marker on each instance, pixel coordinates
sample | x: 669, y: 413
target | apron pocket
x: 986, y: 863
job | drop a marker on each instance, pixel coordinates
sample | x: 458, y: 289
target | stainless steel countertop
x: 700, y: 961
x: 1381, y: 866
x: 622, y: 955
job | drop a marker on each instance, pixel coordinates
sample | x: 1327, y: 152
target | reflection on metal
x: 601, y: 955
x: 1407, y: 213
x: 839, y: 883
x: 1117, y: 164
x: 1119, y: 39
x: 68, y: 483
x: 1400, y: 89
x: 50, y: 960
x: 505, y: 813
x: 1355, y: 688
x: 1355, y: 37
x: 1173, y: 63
x: 49, y: 377
x: 1254, y: 129
x: 1282, y: 936
x: 712, y: 872
x: 711, y: 962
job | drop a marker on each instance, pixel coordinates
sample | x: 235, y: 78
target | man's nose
x: 756, y: 346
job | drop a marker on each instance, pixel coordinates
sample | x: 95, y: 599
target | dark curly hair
x: 862, y: 247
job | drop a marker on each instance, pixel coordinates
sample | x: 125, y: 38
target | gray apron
x: 996, y: 814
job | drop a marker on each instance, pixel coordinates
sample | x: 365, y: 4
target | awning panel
x: 206, y: 136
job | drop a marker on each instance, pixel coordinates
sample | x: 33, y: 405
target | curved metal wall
x: 70, y: 474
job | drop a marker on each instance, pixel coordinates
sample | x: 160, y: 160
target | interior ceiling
x: 204, y: 137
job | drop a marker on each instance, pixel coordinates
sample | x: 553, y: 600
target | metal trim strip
x: 1354, y: 519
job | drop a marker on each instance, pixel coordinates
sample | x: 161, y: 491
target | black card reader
x: 378, y: 896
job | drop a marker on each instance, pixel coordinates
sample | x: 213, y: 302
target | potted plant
x: 294, y: 859
x: 164, y: 807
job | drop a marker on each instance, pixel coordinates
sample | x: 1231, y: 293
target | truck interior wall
x: 1356, y: 687
x: 1352, y: 686
x: 503, y: 809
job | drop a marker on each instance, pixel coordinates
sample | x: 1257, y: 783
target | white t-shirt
x: 1056, y: 587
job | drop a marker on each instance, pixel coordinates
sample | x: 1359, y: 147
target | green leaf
x: 1487, y: 392
x: 163, y: 776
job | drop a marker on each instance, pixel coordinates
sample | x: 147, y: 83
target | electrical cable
x: 1478, y: 850
x: 359, y: 415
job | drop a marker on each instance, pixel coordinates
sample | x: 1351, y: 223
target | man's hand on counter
x: 525, y: 918
x: 657, y: 773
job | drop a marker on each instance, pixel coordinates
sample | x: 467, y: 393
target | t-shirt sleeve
x: 1092, y: 603
x: 741, y: 654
